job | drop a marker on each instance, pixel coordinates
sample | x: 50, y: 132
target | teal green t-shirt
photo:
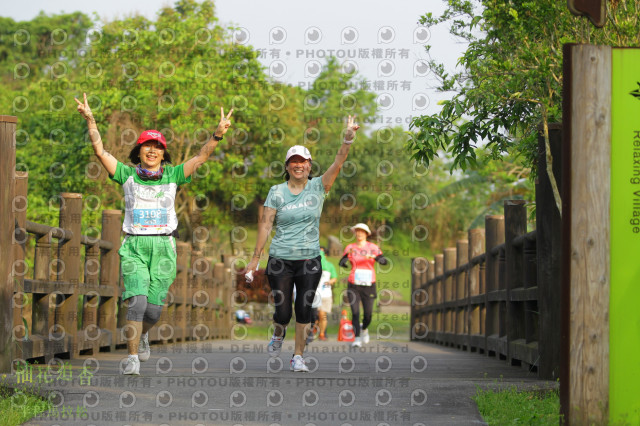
x: 297, y: 220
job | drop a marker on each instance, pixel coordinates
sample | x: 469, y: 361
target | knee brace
x: 136, y: 307
x: 152, y: 314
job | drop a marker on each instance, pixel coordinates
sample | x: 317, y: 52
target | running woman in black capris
x: 295, y: 207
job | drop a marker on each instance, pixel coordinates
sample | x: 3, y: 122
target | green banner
x: 624, y: 302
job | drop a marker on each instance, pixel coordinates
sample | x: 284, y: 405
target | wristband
x: 217, y: 138
x: 348, y: 142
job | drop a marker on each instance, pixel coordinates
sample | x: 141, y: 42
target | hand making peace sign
x: 352, y: 128
x: 84, y: 109
x: 224, y: 124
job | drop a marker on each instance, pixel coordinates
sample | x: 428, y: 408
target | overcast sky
x: 381, y: 39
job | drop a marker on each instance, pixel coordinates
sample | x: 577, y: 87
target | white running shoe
x: 132, y: 367
x: 297, y: 364
x: 275, y: 345
x: 357, y: 343
x: 365, y: 336
x: 144, y: 351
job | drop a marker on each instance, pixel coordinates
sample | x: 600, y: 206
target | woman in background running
x: 361, y: 286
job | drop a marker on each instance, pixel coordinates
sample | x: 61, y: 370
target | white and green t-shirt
x: 149, y: 204
x: 297, y: 220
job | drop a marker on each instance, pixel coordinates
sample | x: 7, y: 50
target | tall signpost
x: 584, y: 370
x: 600, y: 379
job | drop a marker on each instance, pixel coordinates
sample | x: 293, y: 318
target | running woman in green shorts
x: 148, y: 251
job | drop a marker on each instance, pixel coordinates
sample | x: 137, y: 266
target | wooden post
x: 69, y: 269
x: 515, y: 224
x: 90, y: 301
x: 439, y: 270
x: 530, y: 281
x: 7, y: 227
x: 584, y: 380
x: 42, y: 257
x: 449, y: 265
x: 431, y: 271
x: 462, y: 258
x: 110, y: 274
x: 21, y: 311
x: 415, y: 286
x: 549, y: 253
x: 418, y: 293
x: 494, y: 229
x: 475, y: 327
x: 431, y: 296
x: 43, y: 309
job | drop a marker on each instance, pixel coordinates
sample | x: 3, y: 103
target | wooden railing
x: 65, y: 297
x: 498, y: 292
x: 486, y: 302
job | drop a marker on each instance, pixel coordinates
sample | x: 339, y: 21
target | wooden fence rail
x: 66, y: 304
x: 499, y: 291
x: 494, y: 312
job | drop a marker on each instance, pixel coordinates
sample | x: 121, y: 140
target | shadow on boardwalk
x: 236, y: 382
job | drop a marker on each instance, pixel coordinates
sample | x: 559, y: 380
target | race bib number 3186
x: 150, y: 217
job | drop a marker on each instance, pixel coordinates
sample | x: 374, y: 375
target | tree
x: 511, y: 77
x: 33, y: 54
x: 171, y: 74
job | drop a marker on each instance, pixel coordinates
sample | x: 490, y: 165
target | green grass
x: 17, y: 406
x: 513, y: 407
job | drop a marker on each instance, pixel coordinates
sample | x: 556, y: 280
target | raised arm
x: 108, y: 161
x: 332, y: 172
x: 196, y: 161
x: 264, y: 228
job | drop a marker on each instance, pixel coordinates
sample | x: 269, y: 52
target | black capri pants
x: 283, y: 275
x: 367, y: 295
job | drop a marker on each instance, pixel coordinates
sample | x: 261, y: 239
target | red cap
x: 152, y: 135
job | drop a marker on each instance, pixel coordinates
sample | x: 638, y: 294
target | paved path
x: 235, y: 382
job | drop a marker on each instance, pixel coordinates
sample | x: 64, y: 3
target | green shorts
x: 148, y: 266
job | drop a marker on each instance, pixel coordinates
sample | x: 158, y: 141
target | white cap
x: 362, y: 226
x: 298, y: 150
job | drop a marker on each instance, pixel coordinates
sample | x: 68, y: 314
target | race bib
x: 323, y: 287
x: 363, y: 277
x: 317, y: 299
x: 326, y: 291
x: 150, y: 218
x: 325, y: 277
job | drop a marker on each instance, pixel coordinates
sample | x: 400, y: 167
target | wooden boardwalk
x: 236, y: 382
